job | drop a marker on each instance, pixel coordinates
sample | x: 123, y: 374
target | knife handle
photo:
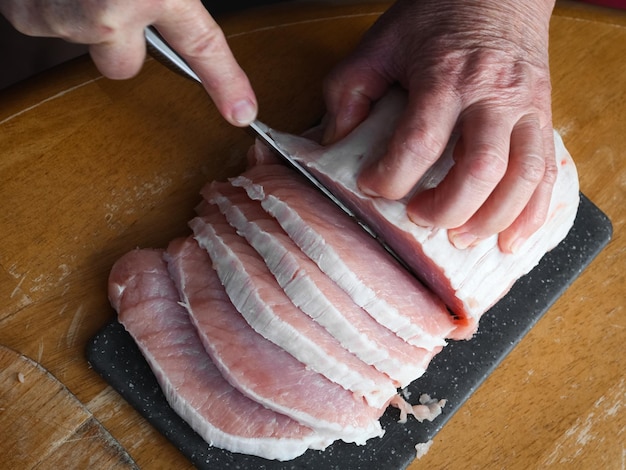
x: 161, y: 51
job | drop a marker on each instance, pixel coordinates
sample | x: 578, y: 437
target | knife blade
x: 263, y: 132
x: 163, y: 52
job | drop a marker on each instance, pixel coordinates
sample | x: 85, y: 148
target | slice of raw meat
x: 350, y: 257
x: 256, y: 366
x: 469, y: 281
x: 257, y: 296
x: 146, y: 299
x: 317, y: 295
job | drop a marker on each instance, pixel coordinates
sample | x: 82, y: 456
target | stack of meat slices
x: 279, y: 325
x: 267, y: 347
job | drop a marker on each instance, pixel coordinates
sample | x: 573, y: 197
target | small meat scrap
x: 427, y: 408
x: 422, y: 448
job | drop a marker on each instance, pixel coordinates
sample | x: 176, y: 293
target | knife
x: 162, y: 51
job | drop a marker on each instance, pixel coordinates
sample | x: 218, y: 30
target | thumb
x: 122, y: 58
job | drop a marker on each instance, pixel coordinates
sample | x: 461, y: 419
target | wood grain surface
x: 48, y: 425
x: 91, y: 168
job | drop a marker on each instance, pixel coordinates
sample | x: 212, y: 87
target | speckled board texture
x: 453, y: 374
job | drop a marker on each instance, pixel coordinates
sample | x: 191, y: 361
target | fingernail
x: 516, y: 244
x: 244, y: 112
x: 462, y: 240
x: 362, y: 182
x: 413, y: 213
x: 369, y: 192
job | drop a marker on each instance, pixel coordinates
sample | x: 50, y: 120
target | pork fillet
x: 142, y: 292
x: 350, y: 257
x: 469, y: 281
x: 314, y: 293
x: 257, y: 367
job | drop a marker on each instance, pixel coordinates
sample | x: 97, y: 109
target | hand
x: 114, y: 29
x: 478, y: 69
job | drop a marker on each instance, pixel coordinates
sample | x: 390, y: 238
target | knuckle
x: 89, y: 23
x: 487, y: 165
x: 423, y: 143
x: 209, y: 43
x: 532, y: 169
x: 550, y: 173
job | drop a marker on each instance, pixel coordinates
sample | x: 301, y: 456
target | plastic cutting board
x: 453, y: 374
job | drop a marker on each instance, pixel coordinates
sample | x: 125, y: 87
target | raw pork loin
x: 469, y: 281
x: 143, y: 293
x: 250, y: 362
x: 280, y: 325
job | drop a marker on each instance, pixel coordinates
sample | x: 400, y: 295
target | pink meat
x: 255, y: 293
x: 469, y: 281
x: 257, y: 367
x: 318, y: 296
x: 142, y: 292
x: 350, y: 257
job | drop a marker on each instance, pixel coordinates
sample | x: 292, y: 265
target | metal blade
x: 263, y: 132
x: 161, y: 51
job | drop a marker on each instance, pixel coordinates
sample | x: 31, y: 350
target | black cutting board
x: 453, y: 374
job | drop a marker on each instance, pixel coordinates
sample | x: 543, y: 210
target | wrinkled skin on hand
x: 114, y: 29
x: 474, y: 69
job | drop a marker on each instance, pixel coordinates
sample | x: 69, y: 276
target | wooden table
x: 90, y: 168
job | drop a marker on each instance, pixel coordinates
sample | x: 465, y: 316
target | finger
x: 535, y: 213
x: 199, y: 39
x: 349, y: 91
x: 476, y: 172
x: 121, y: 57
x: 524, y: 172
x: 44, y: 19
x: 417, y: 143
